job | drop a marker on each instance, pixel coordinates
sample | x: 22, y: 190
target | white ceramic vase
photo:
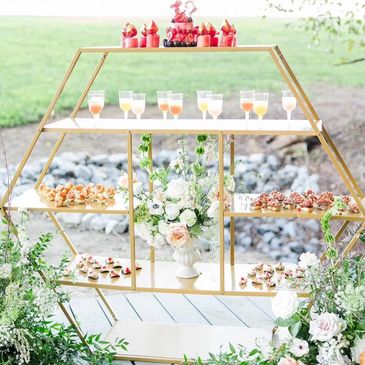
x: 186, y: 257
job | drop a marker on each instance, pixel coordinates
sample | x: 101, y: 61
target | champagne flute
x: 203, y: 97
x: 215, y: 105
x: 139, y: 104
x: 163, y: 102
x: 125, y: 102
x: 260, y: 104
x: 247, y: 98
x: 289, y: 102
x: 175, y: 104
x: 96, y: 102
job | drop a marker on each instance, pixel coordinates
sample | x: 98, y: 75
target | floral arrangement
x: 329, y: 329
x: 29, y: 294
x: 184, y: 204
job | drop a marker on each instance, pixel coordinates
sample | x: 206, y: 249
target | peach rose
x: 288, y: 361
x: 178, y: 235
x: 123, y: 180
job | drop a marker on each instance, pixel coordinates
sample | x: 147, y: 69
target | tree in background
x: 343, y: 21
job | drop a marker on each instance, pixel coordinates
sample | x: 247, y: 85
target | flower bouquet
x: 184, y: 204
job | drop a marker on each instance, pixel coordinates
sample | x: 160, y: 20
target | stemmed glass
x: 289, y: 102
x: 203, y: 97
x: 96, y: 102
x: 260, y: 104
x: 125, y: 102
x: 215, y: 105
x: 175, y: 104
x: 139, y: 104
x: 247, y: 98
x: 163, y: 102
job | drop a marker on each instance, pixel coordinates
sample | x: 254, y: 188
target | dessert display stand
x: 168, y: 342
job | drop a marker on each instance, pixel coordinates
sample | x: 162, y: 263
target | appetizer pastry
x: 274, y: 204
x: 96, y: 265
x: 109, y: 260
x: 257, y: 281
x: 104, y: 269
x: 268, y: 268
x: 279, y: 266
x: 306, y: 205
x: 114, y: 274
x: 270, y: 283
x: 267, y: 275
x: 138, y: 266
x: 243, y: 281
x: 93, y: 275
x: 276, y: 195
x: 117, y: 264
x: 259, y: 266
x: 126, y: 271
x: 84, y: 269
x: 288, y: 203
x: 252, y: 273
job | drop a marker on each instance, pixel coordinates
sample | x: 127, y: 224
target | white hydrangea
x: 5, y: 271
x: 177, y: 188
x: 307, y: 260
x: 331, y: 352
x: 188, y: 217
x: 172, y: 211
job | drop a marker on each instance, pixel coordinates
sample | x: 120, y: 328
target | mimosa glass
x: 260, y: 104
x: 215, y: 105
x: 125, y: 102
x: 175, y: 104
x: 139, y: 104
x: 163, y: 102
x: 289, y: 102
x: 203, y: 97
x: 96, y: 102
x: 247, y: 98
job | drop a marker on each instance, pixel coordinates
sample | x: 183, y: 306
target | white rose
x: 285, y: 304
x: 357, y: 349
x: 155, y: 207
x: 326, y: 326
x: 213, y: 210
x: 158, y: 240
x: 299, y: 347
x: 144, y: 230
x: 177, y: 189
x: 188, y: 217
x: 307, y: 260
x: 172, y: 211
x: 163, y: 227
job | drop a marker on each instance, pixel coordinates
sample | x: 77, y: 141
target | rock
x: 72, y: 220
x: 28, y: 173
x: 296, y: 247
x: 121, y: 227
x: 250, y: 181
x: 67, y: 169
x: 290, y: 229
x: 266, y: 174
x: 268, y: 227
x: 86, y: 221
x: 73, y: 157
x: 242, y: 168
x: 273, y: 161
x: 55, y: 164
x: 268, y: 236
x: 276, y: 243
x: 287, y: 174
x: 244, y: 240
x: 83, y: 172
x: 312, y: 225
x: 98, y: 223
x: 110, y: 225
x: 118, y: 159
x: 257, y: 158
x: 99, y: 160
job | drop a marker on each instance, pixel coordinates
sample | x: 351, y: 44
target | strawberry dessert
x: 182, y: 32
x: 203, y: 39
x: 129, y: 39
x: 228, y: 38
x: 153, y: 39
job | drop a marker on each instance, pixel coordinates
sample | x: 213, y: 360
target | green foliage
x: 31, y: 73
x: 29, y: 295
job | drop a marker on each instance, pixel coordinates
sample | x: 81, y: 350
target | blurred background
x: 322, y: 40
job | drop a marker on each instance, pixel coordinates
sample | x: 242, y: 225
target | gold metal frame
x: 317, y: 129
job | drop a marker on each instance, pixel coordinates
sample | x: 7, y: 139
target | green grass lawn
x: 35, y: 52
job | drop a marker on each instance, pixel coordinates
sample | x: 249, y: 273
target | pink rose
x: 288, y: 361
x: 178, y: 235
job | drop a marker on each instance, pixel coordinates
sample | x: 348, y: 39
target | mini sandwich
x: 92, y: 275
x: 104, y: 269
x: 279, y: 266
x: 243, y: 281
x: 270, y: 283
x: 113, y: 274
x: 109, y: 260
x: 126, y: 271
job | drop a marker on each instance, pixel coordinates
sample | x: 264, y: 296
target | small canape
x: 243, y: 281
x: 270, y: 283
x: 279, y: 266
x: 324, y: 200
x: 267, y: 275
x: 84, y: 269
x: 109, y: 260
x: 81, y: 263
x: 113, y: 274
x: 296, y: 197
x: 353, y: 208
x: 117, y: 265
x: 104, y: 269
x: 268, y: 268
x: 91, y: 259
x: 93, y: 275
x: 252, y: 273
x: 138, y: 266
x: 258, y: 281
x: 96, y: 265
x: 277, y: 195
x: 256, y: 204
x: 259, y: 266
x: 306, y: 205
x: 287, y: 273
x: 126, y: 271
x: 274, y: 204
x: 288, y: 203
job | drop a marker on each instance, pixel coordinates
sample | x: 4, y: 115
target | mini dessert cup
x: 153, y: 41
x: 203, y: 41
x: 228, y: 41
x: 142, y: 43
x: 131, y: 42
x: 214, y: 41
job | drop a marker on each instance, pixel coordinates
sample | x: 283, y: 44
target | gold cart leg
x: 354, y: 240
x: 50, y: 159
x: 63, y: 233
x: 40, y: 127
x: 221, y: 209
x: 131, y: 210
x: 89, y: 84
x: 231, y: 225
x: 150, y: 189
x: 107, y: 304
